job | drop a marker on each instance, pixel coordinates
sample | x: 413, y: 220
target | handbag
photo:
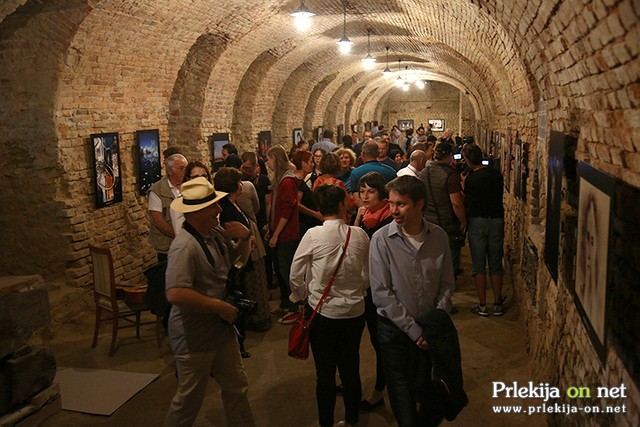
x: 299, y: 333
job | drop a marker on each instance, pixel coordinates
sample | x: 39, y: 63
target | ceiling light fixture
x: 399, y: 82
x: 420, y: 84
x: 405, y: 86
x: 369, y: 61
x: 344, y: 43
x: 302, y: 15
x: 387, y: 72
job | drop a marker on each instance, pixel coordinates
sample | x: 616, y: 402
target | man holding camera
x: 483, y: 190
x: 445, y: 202
x: 200, y: 326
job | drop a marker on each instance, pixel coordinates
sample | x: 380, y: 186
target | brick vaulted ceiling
x: 69, y: 68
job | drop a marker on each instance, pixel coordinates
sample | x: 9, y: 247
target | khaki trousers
x: 194, y: 369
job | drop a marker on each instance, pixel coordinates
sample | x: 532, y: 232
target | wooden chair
x: 124, y: 302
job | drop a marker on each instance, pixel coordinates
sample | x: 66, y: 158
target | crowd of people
x: 398, y: 204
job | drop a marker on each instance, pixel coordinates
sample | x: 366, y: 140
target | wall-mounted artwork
x: 340, y: 134
x: 354, y: 128
x: 507, y: 162
x: 367, y: 126
x: 437, y: 125
x: 297, y: 136
x: 106, y: 158
x: 218, y: 140
x: 593, y: 237
x: 517, y: 182
x: 264, y: 142
x: 403, y: 125
x: 554, y: 190
x: 149, y: 159
x: 319, y: 133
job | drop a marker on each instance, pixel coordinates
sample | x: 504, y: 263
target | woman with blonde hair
x: 284, y: 226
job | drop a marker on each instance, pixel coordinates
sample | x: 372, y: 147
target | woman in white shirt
x: 337, y: 328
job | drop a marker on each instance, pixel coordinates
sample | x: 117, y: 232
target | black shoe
x: 245, y: 354
x: 365, y: 406
x: 339, y: 390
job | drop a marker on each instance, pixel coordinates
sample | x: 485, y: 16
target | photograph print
x: 403, y: 125
x: 264, y: 142
x: 594, y: 213
x: 149, y: 158
x: 437, y: 125
x: 554, y: 192
x: 218, y: 140
x: 297, y: 136
x: 106, y: 158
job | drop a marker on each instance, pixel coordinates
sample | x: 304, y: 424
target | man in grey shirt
x: 202, y: 337
x: 411, y: 274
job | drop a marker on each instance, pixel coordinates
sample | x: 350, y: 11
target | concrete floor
x: 282, y: 390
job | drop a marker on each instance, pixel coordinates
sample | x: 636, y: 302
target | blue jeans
x: 403, y: 362
x: 486, y: 238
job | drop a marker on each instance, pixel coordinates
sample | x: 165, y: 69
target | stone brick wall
x: 193, y: 68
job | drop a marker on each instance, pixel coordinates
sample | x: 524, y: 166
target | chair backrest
x: 103, y: 277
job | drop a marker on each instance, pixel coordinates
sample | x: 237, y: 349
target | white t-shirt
x: 155, y: 204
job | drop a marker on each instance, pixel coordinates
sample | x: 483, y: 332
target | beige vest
x: 159, y: 240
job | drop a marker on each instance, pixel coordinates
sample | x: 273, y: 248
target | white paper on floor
x: 99, y: 391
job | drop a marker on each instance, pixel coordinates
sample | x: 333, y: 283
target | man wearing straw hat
x: 200, y: 326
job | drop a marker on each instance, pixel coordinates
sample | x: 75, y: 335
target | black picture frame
x: 217, y: 141
x: 595, y: 204
x: 319, y: 133
x: 437, y: 125
x: 106, y: 163
x: 264, y: 142
x: 554, y: 197
x: 405, y: 124
x: 297, y: 136
x: 517, y: 181
x: 149, y: 163
x: 507, y: 161
x: 340, y: 134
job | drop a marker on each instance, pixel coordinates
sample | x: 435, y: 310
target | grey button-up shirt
x: 406, y: 283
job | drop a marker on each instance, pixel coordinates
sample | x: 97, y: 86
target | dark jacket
x: 441, y: 335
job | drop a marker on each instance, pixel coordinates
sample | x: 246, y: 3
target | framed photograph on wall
x: 106, y: 162
x: 517, y: 181
x: 437, y: 125
x: 354, y: 128
x: 340, y: 134
x: 507, y: 162
x: 297, y: 136
x: 554, y: 193
x: 592, y: 253
x: 403, y: 125
x: 264, y: 142
x: 218, y: 140
x: 319, y: 133
x: 367, y: 126
x: 149, y: 165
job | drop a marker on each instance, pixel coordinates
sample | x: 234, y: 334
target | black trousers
x: 336, y: 343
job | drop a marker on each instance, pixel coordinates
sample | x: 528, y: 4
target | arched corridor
x: 550, y: 87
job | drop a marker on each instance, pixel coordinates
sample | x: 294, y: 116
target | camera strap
x: 202, y: 243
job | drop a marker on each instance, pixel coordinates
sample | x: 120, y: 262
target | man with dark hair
x: 411, y: 276
x: 445, y: 201
x: 375, y: 129
x: 228, y: 149
x: 383, y: 150
x: 326, y: 143
x: 369, y: 156
x: 483, y: 191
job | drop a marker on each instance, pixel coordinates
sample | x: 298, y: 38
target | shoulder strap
x: 435, y: 205
x: 200, y: 240
x: 333, y: 278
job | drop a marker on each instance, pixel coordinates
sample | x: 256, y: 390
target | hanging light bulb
x: 399, y: 81
x: 344, y: 44
x: 369, y: 61
x: 302, y: 15
x: 406, y: 86
x: 420, y: 84
x: 387, y: 72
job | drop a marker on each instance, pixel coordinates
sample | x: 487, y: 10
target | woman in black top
x: 372, y: 216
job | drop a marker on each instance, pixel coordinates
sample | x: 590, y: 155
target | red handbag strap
x: 328, y: 288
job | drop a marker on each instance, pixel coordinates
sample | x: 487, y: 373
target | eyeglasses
x: 317, y: 156
x: 198, y: 176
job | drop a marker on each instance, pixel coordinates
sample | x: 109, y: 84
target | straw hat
x: 197, y: 194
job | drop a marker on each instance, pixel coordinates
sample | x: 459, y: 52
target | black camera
x: 244, y: 305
